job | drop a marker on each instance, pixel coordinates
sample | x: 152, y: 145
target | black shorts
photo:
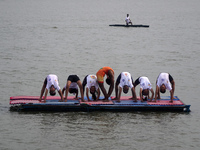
x: 73, y: 78
x: 118, y: 79
x: 45, y: 81
x: 137, y: 81
x: 170, y: 78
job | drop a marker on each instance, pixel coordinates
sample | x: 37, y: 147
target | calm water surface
x: 73, y: 37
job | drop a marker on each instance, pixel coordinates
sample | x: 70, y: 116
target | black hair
x: 94, y: 95
x: 162, y: 91
x: 125, y: 90
x: 143, y: 92
x: 108, y: 81
x: 52, y: 93
x: 73, y: 90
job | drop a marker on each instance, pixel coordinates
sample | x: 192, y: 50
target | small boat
x: 31, y: 103
x: 134, y: 25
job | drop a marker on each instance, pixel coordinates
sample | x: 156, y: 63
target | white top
x: 126, y: 80
x: 127, y: 19
x: 73, y: 85
x: 92, y: 81
x: 145, y: 83
x: 52, y: 80
x: 163, y: 78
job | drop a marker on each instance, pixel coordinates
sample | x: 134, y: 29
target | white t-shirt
x: 92, y: 81
x: 127, y: 19
x: 163, y: 78
x: 73, y: 85
x: 145, y: 83
x: 126, y: 80
x: 52, y: 80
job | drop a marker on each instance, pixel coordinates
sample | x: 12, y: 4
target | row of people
x: 95, y: 83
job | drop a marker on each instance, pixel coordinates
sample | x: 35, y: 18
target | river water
x: 63, y: 37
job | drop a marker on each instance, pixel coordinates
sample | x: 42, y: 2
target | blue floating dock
x: 31, y: 103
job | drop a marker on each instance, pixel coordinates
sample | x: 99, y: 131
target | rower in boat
x: 128, y: 20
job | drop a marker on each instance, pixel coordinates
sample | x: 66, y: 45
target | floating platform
x: 134, y: 25
x: 31, y: 103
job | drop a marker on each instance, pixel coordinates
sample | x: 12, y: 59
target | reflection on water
x: 104, y: 129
